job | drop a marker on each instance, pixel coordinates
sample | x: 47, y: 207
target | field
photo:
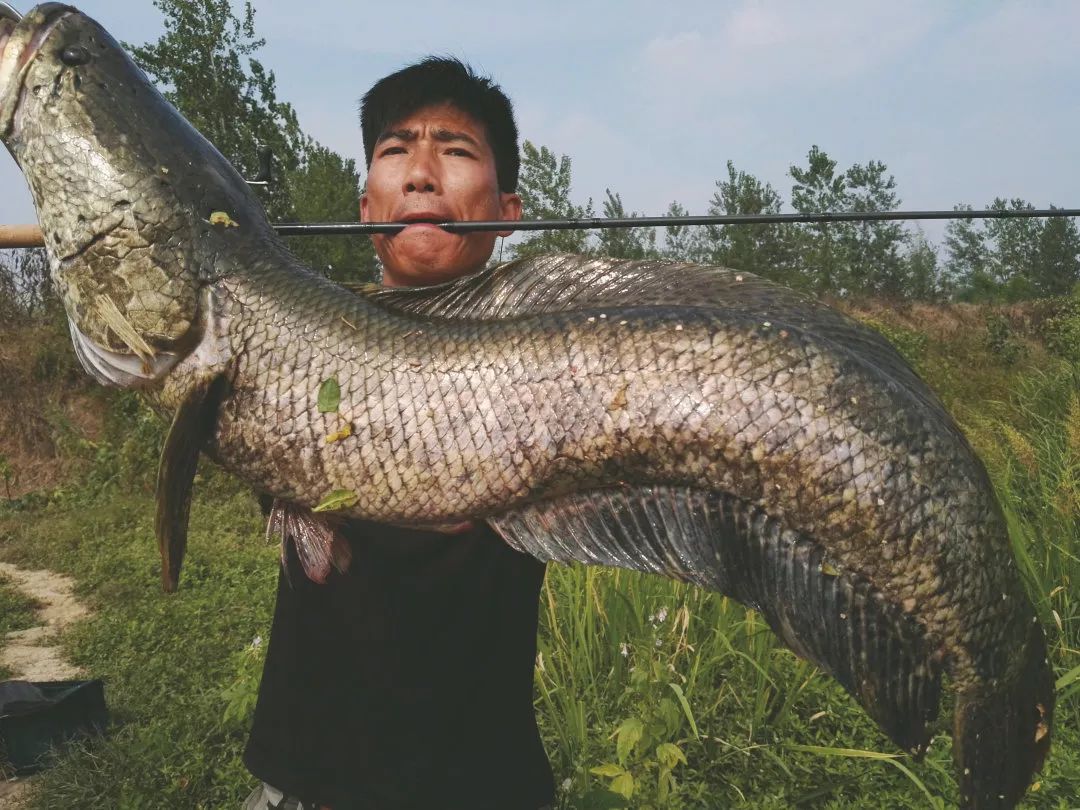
x: 650, y: 694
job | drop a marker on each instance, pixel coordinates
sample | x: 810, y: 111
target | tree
x: 682, y: 243
x: 1057, y: 257
x: 326, y: 188
x: 26, y: 288
x: 920, y: 269
x: 872, y: 249
x: 1013, y: 244
x: 760, y: 249
x: 204, y: 62
x: 967, y: 257
x: 818, y: 187
x: 544, y: 186
x: 625, y: 243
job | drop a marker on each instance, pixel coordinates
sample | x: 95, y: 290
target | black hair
x: 441, y: 80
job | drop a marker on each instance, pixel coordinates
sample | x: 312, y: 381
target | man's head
x: 441, y: 144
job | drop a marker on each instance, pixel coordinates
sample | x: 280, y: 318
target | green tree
x: 682, y: 243
x: 820, y: 254
x: 205, y: 64
x: 544, y: 186
x: 967, y: 262
x: 1057, y: 257
x: 625, y: 243
x: 920, y: 269
x: 872, y: 249
x: 26, y: 289
x: 1014, y: 244
x: 761, y: 249
x: 326, y: 188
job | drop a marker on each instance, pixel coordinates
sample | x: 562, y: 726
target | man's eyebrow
x: 446, y: 135
x: 399, y: 134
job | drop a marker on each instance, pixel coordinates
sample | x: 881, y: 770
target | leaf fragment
x: 338, y: 499
x: 223, y: 218
x: 329, y: 395
x: 343, y: 433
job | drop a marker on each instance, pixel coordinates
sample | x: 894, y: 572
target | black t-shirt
x: 406, y: 683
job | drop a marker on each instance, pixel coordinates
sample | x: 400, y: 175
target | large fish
x: 694, y: 422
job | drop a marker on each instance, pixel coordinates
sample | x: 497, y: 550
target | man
x: 406, y: 683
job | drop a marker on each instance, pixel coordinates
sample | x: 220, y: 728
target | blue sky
x: 962, y: 101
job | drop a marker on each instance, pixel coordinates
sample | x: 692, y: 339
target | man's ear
x: 510, y: 208
x: 364, y: 208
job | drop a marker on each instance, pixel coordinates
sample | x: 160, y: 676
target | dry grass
x: 50, y: 411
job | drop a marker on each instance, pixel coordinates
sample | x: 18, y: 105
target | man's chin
x: 419, y: 271
x: 417, y: 262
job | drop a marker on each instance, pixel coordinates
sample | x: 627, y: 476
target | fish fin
x: 191, y: 428
x: 318, y: 544
x: 559, y: 283
x: 1001, y: 738
x: 832, y: 618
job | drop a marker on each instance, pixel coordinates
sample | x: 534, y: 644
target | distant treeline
x: 205, y: 65
x: 985, y: 260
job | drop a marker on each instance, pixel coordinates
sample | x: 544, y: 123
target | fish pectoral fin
x: 191, y: 428
x: 316, y: 539
x: 833, y: 619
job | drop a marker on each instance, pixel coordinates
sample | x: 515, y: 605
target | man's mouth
x: 424, y: 220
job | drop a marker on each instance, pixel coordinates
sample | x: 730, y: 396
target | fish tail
x: 1000, y: 739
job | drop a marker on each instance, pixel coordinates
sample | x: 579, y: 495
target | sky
x: 963, y: 101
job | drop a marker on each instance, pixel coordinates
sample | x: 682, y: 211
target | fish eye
x: 74, y: 55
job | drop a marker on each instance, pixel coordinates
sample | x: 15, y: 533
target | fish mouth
x: 21, y: 38
x: 9, y: 18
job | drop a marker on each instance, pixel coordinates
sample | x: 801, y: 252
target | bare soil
x: 32, y: 654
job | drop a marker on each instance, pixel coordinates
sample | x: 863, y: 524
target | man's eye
x: 459, y: 152
x: 392, y: 150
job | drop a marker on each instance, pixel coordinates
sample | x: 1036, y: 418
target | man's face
x: 435, y: 165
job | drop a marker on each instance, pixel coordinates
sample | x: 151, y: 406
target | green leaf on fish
x: 338, y: 499
x: 329, y: 395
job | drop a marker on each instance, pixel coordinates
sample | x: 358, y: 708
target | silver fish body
x: 694, y: 422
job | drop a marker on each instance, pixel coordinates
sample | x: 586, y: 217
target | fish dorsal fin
x: 559, y: 283
x: 833, y: 618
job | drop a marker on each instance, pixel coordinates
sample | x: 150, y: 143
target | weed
x: 911, y: 344
x: 1000, y: 340
x: 1061, y: 330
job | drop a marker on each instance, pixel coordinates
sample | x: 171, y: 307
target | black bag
x: 36, y: 716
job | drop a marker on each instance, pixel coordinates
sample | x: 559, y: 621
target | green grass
x: 645, y: 687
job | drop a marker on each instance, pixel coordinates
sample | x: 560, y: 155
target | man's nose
x: 421, y: 176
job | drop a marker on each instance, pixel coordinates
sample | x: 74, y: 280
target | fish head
x: 135, y: 206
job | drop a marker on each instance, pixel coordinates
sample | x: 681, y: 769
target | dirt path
x: 32, y: 654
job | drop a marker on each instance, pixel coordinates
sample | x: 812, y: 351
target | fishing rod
x: 24, y: 236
